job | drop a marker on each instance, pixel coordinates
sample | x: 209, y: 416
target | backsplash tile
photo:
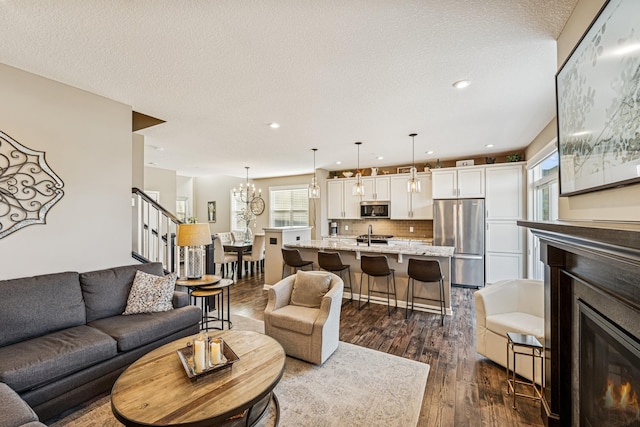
x: 396, y: 228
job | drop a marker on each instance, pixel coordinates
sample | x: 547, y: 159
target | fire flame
x: 623, y: 397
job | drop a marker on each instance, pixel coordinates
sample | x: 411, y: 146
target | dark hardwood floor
x: 463, y: 388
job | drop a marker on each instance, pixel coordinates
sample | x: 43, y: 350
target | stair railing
x: 154, y: 231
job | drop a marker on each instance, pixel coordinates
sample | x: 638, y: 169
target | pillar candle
x: 199, y: 355
x: 216, y: 351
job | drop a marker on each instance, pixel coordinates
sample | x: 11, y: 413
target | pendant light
x: 358, y: 187
x: 413, y: 185
x: 314, y: 188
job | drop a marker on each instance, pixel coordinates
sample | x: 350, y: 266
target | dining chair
x: 256, y: 257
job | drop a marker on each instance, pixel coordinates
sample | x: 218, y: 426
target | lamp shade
x: 194, y: 235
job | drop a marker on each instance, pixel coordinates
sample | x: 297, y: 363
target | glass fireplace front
x: 609, y: 372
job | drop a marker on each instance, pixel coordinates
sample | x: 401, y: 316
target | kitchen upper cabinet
x: 405, y: 205
x: 340, y: 201
x: 458, y: 183
x: 376, y: 188
x: 505, y: 191
x: 505, y: 240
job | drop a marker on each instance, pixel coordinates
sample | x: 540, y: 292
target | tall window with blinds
x: 288, y: 206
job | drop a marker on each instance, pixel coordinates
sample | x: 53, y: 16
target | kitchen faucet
x: 369, y: 231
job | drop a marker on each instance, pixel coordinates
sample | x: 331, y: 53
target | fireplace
x: 592, y: 323
x: 609, y: 372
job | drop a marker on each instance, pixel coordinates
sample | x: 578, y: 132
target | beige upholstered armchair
x: 303, y: 314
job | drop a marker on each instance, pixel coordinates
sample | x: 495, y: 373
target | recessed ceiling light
x: 461, y: 84
x: 379, y: 157
x: 152, y: 163
x: 430, y: 152
x: 338, y: 162
x: 489, y: 145
x: 274, y: 125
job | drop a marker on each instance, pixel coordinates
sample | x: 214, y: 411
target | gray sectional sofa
x: 64, y: 340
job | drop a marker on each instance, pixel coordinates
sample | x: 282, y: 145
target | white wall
x: 317, y: 214
x: 88, y: 144
x: 218, y: 188
x: 137, y: 164
x: 184, y: 188
x: 215, y: 188
x: 164, y: 181
x: 618, y: 204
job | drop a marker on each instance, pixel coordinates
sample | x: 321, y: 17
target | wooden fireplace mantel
x: 603, y: 257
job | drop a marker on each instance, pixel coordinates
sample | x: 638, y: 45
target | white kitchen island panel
x: 398, y: 255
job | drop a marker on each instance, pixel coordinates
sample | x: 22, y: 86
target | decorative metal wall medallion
x: 28, y: 186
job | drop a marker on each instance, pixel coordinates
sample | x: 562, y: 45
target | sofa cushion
x: 35, y: 362
x: 13, y: 410
x: 295, y: 318
x: 106, y: 291
x: 34, y: 306
x: 522, y: 323
x: 139, y: 329
x: 309, y: 287
x: 151, y: 293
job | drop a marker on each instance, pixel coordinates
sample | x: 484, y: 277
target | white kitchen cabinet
x: 341, y: 204
x: 505, y: 191
x: 458, y: 183
x: 502, y: 266
x: 405, y: 205
x: 504, y: 204
x: 504, y: 237
x: 376, y: 188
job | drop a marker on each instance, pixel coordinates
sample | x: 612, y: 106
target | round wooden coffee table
x: 155, y: 390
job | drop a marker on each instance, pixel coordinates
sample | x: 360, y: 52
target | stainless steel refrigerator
x: 460, y: 223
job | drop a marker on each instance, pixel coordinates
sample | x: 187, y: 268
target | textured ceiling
x: 331, y: 72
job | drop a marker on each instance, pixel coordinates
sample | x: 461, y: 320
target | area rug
x: 356, y: 386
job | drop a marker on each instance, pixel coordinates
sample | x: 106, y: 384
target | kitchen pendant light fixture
x: 358, y: 187
x: 314, y: 188
x: 413, y: 185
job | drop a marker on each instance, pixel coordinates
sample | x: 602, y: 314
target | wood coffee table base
x: 155, y: 390
x: 255, y: 413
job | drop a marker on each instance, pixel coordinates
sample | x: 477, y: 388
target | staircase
x: 154, y: 231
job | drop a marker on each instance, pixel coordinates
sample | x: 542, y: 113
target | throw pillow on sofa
x: 309, y: 287
x: 150, y: 293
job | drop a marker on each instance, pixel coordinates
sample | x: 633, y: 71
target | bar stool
x: 331, y: 261
x: 428, y: 271
x: 206, y: 295
x: 377, y: 266
x: 293, y: 259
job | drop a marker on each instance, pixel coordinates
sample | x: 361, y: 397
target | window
x: 543, y: 201
x: 237, y: 207
x: 288, y: 206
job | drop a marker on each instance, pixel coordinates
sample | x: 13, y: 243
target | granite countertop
x: 400, y: 249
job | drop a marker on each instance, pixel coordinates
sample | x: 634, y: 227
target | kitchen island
x: 398, y: 255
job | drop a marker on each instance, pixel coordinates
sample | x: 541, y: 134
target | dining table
x: 240, y: 248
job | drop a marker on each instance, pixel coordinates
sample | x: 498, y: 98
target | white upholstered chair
x: 303, y: 314
x: 257, y: 253
x: 509, y: 306
x: 223, y: 258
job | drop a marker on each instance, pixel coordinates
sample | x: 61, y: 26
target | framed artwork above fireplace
x: 598, y: 103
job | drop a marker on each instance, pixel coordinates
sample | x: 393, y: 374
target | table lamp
x: 194, y: 237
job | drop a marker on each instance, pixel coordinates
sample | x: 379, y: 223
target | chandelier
x: 314, y: 188
x: 358, y: 187
x: 413, y: 185
x: 254, y: 204
x: 247, y: 192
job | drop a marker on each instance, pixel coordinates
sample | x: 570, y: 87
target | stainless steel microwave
x: 374, y: 209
